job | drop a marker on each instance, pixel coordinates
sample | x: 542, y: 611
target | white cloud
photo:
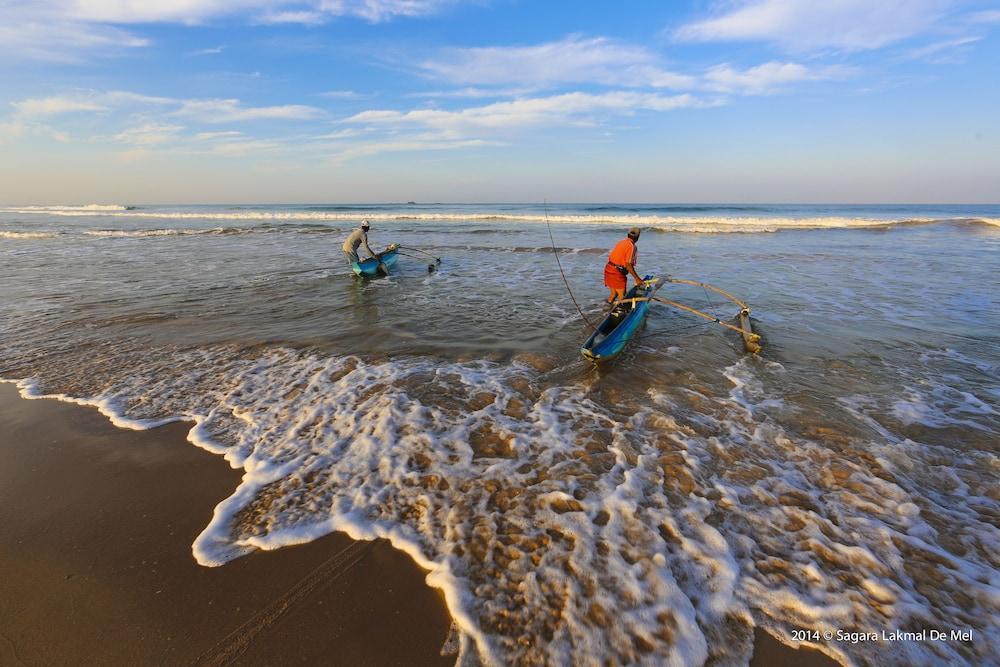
x: 72, y: 30
x: 409, y: 145
x: 150, y: 134
x: 53, y: 106
x: 346, y: 133
x: 473, y: 92
x: 224, y: 111
x: 574, y: 59
x: 987, y: 16
x: 209, y: 136
x: 300, y: 17
x: 941, y: 52
x: 569, y: 108
x: 37, y: 35
x: 208, y: 52
x: 207, y: 110
x: 807, y: 25
x: 767, y: 78
x: 237, y: 147
x: 199, y: 11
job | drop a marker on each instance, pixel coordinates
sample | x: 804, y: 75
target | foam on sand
x: 560, y: 529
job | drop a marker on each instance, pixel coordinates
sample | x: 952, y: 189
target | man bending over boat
x: 621, y: 263
x: 357, y: 237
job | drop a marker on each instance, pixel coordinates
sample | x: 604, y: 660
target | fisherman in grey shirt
x: 357, y: 237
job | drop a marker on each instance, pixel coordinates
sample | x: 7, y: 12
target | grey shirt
x: 357, y: 237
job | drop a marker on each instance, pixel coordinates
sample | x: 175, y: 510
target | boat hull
x: 620, y: 326
x: 379, y: 265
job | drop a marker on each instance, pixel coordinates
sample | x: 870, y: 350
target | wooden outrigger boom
x: 751, y: 340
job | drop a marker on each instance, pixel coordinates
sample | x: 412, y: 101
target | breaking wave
x: 665, y: 223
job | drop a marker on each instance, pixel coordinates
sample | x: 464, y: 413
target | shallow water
x: 654, y: 510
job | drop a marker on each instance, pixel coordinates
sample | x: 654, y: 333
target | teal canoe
x: 379, y: 265
x: 621, y: 324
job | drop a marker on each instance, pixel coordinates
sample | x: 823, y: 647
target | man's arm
x: 368, y: 247
x: 631, y: 269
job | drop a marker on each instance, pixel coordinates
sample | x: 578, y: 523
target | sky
x: 335, y: 101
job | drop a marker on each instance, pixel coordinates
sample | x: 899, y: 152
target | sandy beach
x: 96, y: 563
x: 95, y: 552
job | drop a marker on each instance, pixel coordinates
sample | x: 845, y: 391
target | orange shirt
x: 624, y: 253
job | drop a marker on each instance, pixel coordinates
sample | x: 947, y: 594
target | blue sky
x: 122, y: 101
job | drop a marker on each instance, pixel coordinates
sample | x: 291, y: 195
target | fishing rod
x: 555, y: 253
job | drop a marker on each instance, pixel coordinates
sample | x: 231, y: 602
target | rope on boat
x: 555, y: 253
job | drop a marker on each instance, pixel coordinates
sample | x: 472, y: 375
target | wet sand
x: 96, y: 565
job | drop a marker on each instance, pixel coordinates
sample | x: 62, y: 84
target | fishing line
x: 563, y: 273
x: 714, y: 310
x: 438, y: 259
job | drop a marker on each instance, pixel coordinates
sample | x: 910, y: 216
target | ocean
x: 655, y: 509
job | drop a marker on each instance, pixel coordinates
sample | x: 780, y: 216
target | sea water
x: 844, y: 483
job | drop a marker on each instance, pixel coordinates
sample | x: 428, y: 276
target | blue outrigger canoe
x: 621, y: 324
x: 379, y: 264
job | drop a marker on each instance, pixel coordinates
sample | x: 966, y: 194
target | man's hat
x: 634, y: 231
x: 365, y: 225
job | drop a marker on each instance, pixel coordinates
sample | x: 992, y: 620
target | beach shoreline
x: 90, y: 577
x: 96, y: 556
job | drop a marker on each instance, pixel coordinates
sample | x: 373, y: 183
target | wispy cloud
x: 74, y: 30
x: 340, y: 94
x: 473, y: 92
x: 522, y: 70
x: 805, y: 25
x: 207, y: 110
x: 301, y: 17
x: 948, y: 51
x: 208, y: 52
x: 339, y: 155
x: 198, y: 11
x: 767, y: 78
x: 150, y: 134
x: 36, y: 33
x: 572, y: 60
x: 986, y: 16
x: 53, y: 106
x: 566, y: 109
x: 230, y: 110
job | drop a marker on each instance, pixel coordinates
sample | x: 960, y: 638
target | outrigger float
x: 619, y: 327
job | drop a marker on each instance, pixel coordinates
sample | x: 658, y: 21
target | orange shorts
x: 614, y: 278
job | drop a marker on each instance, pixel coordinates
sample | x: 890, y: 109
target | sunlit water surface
x: 656, y: 509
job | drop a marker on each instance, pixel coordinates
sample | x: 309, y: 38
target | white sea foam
x: 670, y: 223
x: 84, y: 209
x: 106, y: 406
x: 562, y: 531
x: 139, y: 233
x: 26, y: 235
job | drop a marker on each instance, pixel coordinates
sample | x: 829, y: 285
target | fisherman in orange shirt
x: 621, y: 263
